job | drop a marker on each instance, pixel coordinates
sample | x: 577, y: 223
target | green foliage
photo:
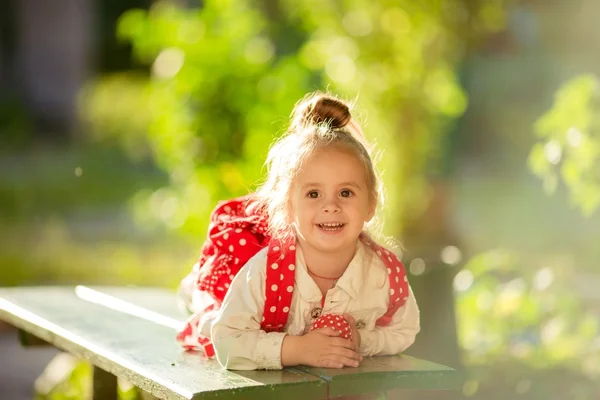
x: 511, y: 312
x: 569, y: 144
x: 224, y: 78
x: 75, y: 386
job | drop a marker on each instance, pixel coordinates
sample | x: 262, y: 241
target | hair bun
x: 322, y: 109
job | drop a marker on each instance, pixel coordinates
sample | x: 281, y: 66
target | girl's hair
x: 318, y: 121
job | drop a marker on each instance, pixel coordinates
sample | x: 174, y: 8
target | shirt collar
x: 351, y: 281
x: 354, y: 276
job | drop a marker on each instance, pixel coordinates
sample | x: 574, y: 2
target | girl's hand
x: 355, y: 332
x: 319, y: 348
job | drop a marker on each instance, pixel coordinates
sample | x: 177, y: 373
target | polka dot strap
x: 281, y: 258
x: 399, y: 290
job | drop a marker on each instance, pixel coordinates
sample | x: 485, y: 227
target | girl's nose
x: 331, y: 207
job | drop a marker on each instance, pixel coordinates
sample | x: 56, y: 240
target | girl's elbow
x: 404, y: 340
x: 228, y: 359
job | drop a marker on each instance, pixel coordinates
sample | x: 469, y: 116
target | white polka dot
x: 226, y: 236
x: 398, y: 269
x: 389, y: 271
x: 392, y: 291
x: 231, y: 277
x: 390, y: 259
x: 219, y: 243
x: 231, y: 248
x: 398, y: 280
x: 237, y: 261
x: 290, y: 289
x: 273, y: 309
x: 405, y: 279
x: 238, y: 230
x: 281, y: 277
x: 274, y: 265
x: 292, y: 267
x: 292, y: 248
x: 226, y: 285
x: 286, y: 309
x: 227, y: 209
x: 274, y: 287
x: 401, y: 290
x: 406, y: 298
x: 242, y: 242
x: 276, y: 248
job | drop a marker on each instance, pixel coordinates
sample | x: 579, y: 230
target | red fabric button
x: 333, y: 321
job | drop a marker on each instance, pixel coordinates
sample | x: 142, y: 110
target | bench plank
x: 139, y: 350
x: 385, y: 373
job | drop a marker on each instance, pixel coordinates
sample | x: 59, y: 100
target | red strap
x: 279, y: 288
x: 399, y: 291
x: 280, y: 283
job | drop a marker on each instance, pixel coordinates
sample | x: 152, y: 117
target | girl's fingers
x: 330, y: 364
x: 345, y: 343
x: 329, y: 332
x: 341, y: 361
x: 338, y: 351
x: 350, y: 319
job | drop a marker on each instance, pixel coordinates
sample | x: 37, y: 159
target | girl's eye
x: 346, y: 193
x: 313, y: 194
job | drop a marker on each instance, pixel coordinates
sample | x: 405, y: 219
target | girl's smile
x: 332, y: 227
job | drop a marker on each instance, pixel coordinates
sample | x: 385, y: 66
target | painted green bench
x: 129, y: 333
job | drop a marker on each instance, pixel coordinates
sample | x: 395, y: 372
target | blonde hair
x: 318, y: 121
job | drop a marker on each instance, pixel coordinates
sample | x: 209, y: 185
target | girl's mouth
x: 331, y: 226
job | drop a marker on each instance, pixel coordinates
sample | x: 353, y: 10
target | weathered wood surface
x: 140, y: 347
x: 380, y: 374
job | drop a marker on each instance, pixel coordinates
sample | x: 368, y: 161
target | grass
x: 65, y: 220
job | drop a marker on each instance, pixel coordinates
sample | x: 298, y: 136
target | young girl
x: 321, y: 192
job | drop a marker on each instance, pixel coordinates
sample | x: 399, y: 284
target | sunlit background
x: 123, y: 122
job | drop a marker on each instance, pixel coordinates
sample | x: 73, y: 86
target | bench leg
x: 28, y: 340
x: 104, y: 385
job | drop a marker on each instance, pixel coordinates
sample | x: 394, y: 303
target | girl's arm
x: 237, y: 337
x: 241, y: 344
x: 395, y: 337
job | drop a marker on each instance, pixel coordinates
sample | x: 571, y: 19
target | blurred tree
x: 569, y: 144
x: 224, y: 77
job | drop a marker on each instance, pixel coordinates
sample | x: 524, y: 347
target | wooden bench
x: 129, y: 333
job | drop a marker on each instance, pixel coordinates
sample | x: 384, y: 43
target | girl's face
x: 330, y: 201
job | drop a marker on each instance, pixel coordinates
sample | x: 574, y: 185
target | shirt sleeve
x: 236, y: 334
x: 395, y: 337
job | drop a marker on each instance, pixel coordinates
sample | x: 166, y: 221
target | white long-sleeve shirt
x: 362, y: 291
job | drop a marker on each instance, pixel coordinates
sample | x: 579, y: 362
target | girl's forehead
x: 331, y: 164
x: 333, y: 155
